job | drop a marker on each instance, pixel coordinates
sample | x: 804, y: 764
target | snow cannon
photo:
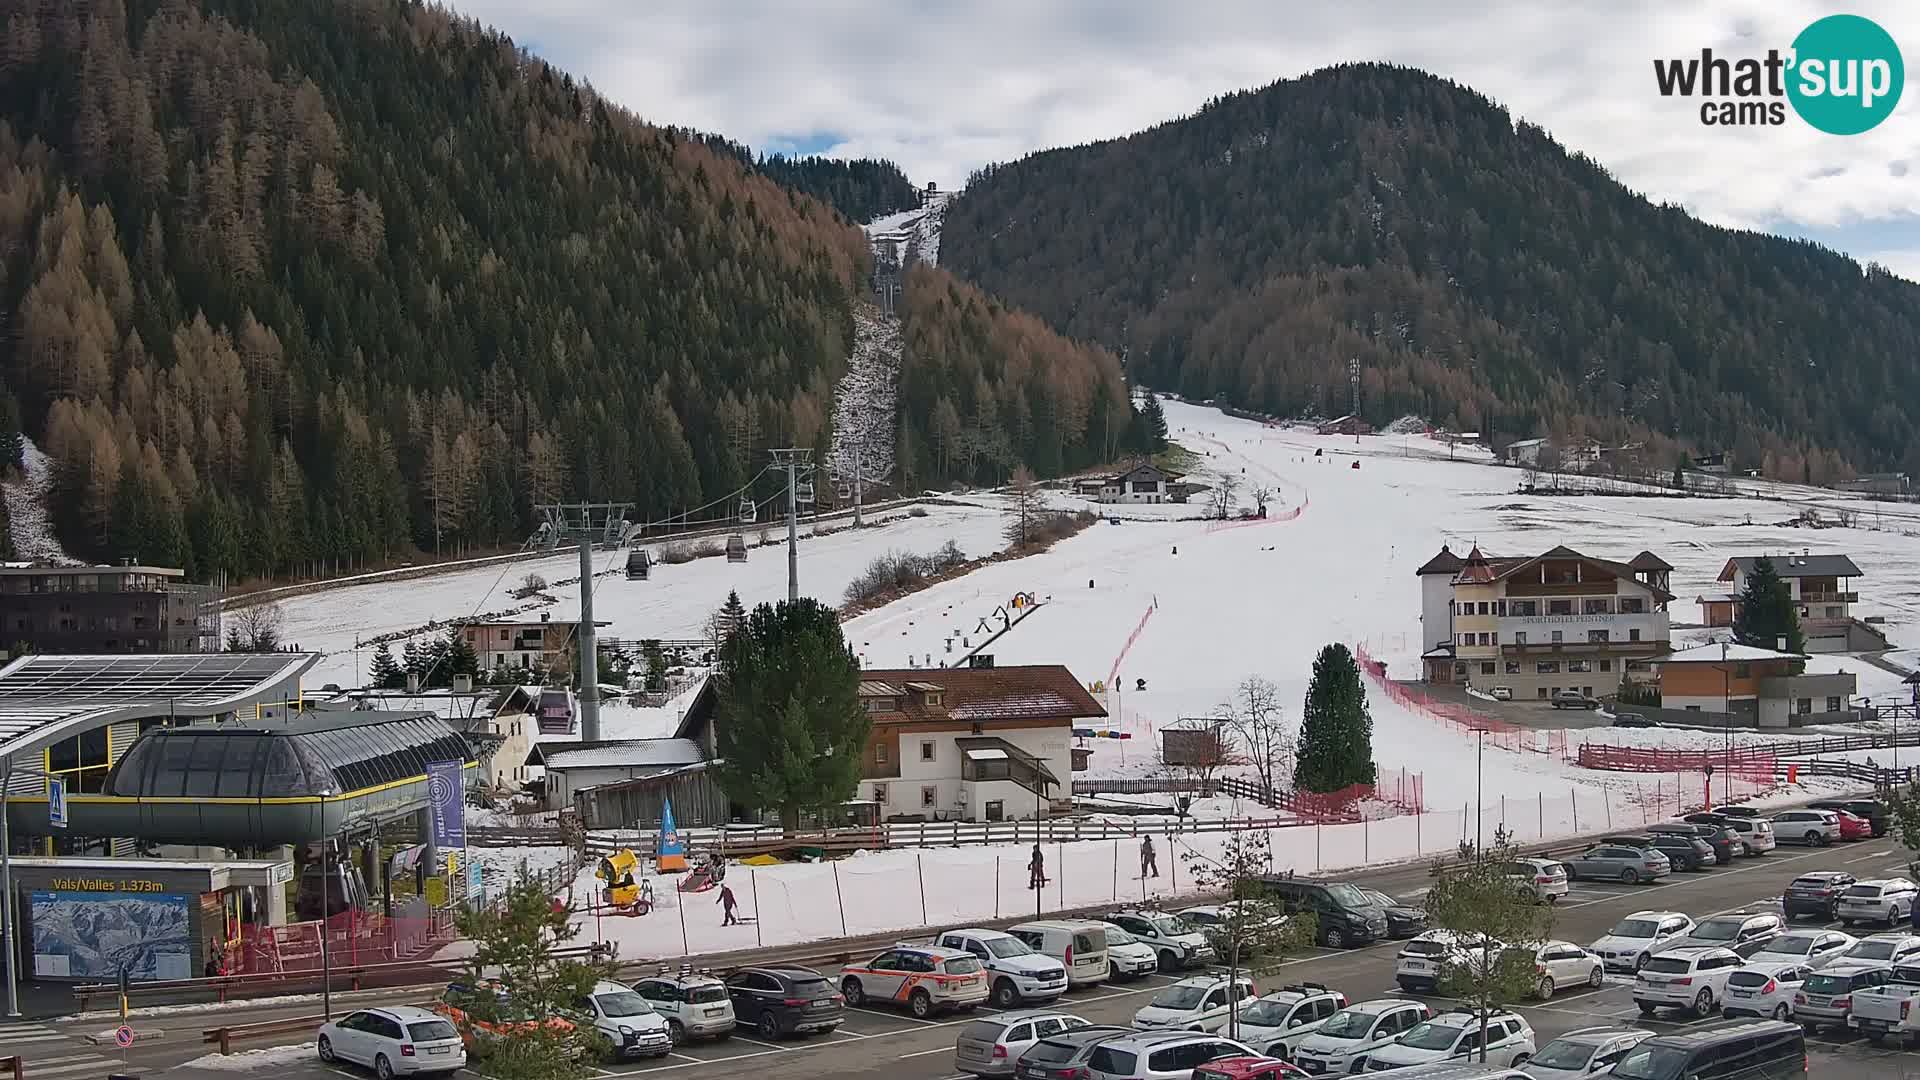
x: 1356, y: 464
x: 616, y: 873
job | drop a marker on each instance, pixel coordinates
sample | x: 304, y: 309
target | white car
x: 1502, y: 693
x: 1755, y: 833
x: 1127, y: 957
x: 1812, y: 948
x: 1340, y: 1045
x: 626, y: 1021
x: 1015, y: 972
x: 1639, y: 936
x: 1745, y: 932
x: 1897, y: 947
x: 394, y: 1040
x: 1693, y: 978
x: 696, y: 1006
x: 1284, y: 1018
x: 1176, y: 942
x: 1765, y: 988
x: 1584, y: 1052
x: 1543, y: 879
x: 1814, y: 828
x: 1562, y: 963
x: 1887, y: 900
x: 1453, y: 1035
x: 992, y: 1045
x: 1424, y: 961
x: 1196, y: 1004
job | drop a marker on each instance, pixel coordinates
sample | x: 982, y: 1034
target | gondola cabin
x: 748, y: 512
x: 639, y: 564
x: 736, y: 548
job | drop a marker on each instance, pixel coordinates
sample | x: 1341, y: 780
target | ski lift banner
x: 445, y: 804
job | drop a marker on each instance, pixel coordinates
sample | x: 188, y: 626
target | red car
x: 1854, y: 828
x: 1246, y: 1068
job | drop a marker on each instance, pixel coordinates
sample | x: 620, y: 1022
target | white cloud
x: 946, y: 88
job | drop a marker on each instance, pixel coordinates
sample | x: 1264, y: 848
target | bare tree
x: 255, y: 628
x: 1226, y: 485
x: 1262, y: 494
x: 1259, y: 722
x: 1197, y: 750
x: 1024, y: 506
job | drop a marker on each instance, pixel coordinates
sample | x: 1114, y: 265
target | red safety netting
x: 1500, y: 733
x: 353, y: 937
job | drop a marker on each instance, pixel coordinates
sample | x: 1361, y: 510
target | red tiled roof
x: 1031, y: 692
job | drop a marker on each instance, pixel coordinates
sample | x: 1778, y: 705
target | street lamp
x: 1726, y: 720
x: 1479, y: 774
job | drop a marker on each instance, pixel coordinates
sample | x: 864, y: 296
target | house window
x: 1546, y: 667
x: 1632, y: 605
x: 1559, y: 607
x: 1486, y: 639
x: 1486, y: 667
x: 1494, y: 638
x: 929, y: 796
x: 1606, y: 665
x: 879, y: 753
x: 1483, y: 607
x: 1693, y: 708
x: 935, y: 697
x: 1740, y: 671
x: 1578, y: 665
x: 504, y: 634
x: 1597, y: 607
x: 1833, y: 613
x: 1558, y: 635
x: 880, y: 794
x: 1803, y: 705
x: 1519, y: 637
x: 1833, y: 704
x: 1633, y: 635
x: 1513, y: 667
x: 1599, y: 637
x: 1500, y: 608
x: 1540, y: 692
x: 1526, y: 608
x: 1460, y: 669
x: 926, y: 750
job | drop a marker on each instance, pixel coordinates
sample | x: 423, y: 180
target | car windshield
x: 1667, y: 965
x: 1348, y: 896
x: 1717, y: 930
x: 1265, y: 1013
x: 624, y: 1003
x: 1790, y: 945
x: 1827, y: 984
x: 1652, y: 1063
x: 1868, y: 892
x: 1634, y: 928
x: 1872, y: 950
x: 1562, y: 1054
x: 1432, y: 1036
x: 1179, y: 997
x: 1381, y: 898
x: 1426, y: 948
x: 432, y: 1031
x: 1006, y: 947
x: 1170, y: 926
x: 1117, y: 936
x: 1347, y: 1025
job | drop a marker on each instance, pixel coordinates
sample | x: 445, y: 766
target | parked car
x: 1722, y: 839
x: 1502, y: 693
x: 394, y: 1040
x: 1684, y: 852
x: 1612, y: 862
x: 1177, y: 944
x: 1341, y: 1044
x: 1887, y: 1009
x: 1633, y: 720
x: 1692, y: 979
x: 928, y: 978
x: 1887, y: 900
x: 1403, y: 920
x: 1278, y: 1021
x: 1015, y: 972
x: 696, y: 1006
x: 1814, y: 948
x: 1080, y: 945
x: 1765, y: 988
x: 1894, y: 948
x: 1826, y: 998
x: 1544, y: 879
x: 1639, y: 936
x: 1160, y: 1055
x: 1745, y: 932
x: 1068, y: 1055
x: 1584, y: 1052
x: 1128, y: 958
x: 990, y: 1046
x: 1562, y: 963
x: 1853, y: 827
x: 1814, y: 828
x: 785, y: 999
x: 1250, y: 1068
x: 1215, y: 921
x: 1816, y: 893
x: 1574, y: 699
x: 1345, y: 916
x: 1742, y: 812
x: 1873, y: 810
x: 486, y: 1010
x: 1755, y: 833
x: 1200, y: 1003
x: 630, y: 1026
x: 1746, y: 1050
x: 1456, y: 1034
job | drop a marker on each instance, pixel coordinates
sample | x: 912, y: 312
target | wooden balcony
x: 1829, y: 597
x: 1600, y: 648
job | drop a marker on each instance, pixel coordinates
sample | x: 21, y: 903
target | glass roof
x: 307, y: 759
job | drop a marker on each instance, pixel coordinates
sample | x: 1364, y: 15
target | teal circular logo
x: 1846, y: 74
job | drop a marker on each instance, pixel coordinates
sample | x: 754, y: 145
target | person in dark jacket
x: 1036, y: 868
x: 728, y: 903
x: 1149, y: 862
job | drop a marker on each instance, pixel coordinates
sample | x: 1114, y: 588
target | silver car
x: 1887, y: 900
x: 1827, y: 995
x: 990, y: 1046
x: 1617, y: 862
x: 1814, y: 828
x: 1584, y: 1052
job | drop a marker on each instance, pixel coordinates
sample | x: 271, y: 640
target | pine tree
x: 1153, y: 420
x: 384, y: 674
x: 728, y: 618
x: 459, y: 659
x: 1336, y: 729
x: 520, y: 941
x: 411, y: 661
x: 790, y: 728
x: 1767, y: 614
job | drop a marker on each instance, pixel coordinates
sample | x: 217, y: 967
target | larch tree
x: 1336, y: 728
x: 1024, y: 508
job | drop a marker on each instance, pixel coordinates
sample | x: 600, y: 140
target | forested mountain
x: 291, y: 283
x: 1481, y: 274
x: 861, y: 188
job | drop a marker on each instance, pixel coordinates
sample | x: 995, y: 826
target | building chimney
x: 413, y: 682
x: 545, y: 615
x: 463, y: 684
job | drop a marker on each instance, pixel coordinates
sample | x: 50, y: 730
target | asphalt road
x: 877, y: 1043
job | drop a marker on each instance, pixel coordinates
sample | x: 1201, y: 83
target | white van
x: 1080, y: 944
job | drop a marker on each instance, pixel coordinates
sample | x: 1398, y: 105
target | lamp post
x: 1726, y: 721
x: 1479, y: 775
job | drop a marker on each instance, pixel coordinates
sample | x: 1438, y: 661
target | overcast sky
x: 943, y: 88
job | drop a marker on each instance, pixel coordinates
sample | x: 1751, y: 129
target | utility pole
x: 1353, y: 377
x: 589, y: 657
x: 797, y: 462
x: 857, y: 445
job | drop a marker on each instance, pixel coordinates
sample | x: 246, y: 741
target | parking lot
x: 879, y: 1043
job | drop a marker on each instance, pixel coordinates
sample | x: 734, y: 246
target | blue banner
x: 670, y: 843
x: 447, y: 804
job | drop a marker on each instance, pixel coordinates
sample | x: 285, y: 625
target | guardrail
x: 225, y: 1037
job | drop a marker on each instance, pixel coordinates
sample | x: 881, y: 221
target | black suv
x: 1718, y: 837
x: 1746, y: 1049
x: 784, y: 1000
x: 1872, y: 809
x: 1816, y: 893
x: 1347, y: 915
x: 1062, y: 1056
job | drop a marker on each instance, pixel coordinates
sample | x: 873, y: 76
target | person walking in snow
x: 728, y: 903
x: 1148, y: 861
x: 1036, y: 868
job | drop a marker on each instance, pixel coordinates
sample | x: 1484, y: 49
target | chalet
x: 1717, y: 464
x: 543, y: 643
x: 1760, y: 687
x: 1346, y: 425
x: 1525, y: 453
x: 1821, y: 586
x: 1891, y: 483
x: 1144, y: 483
x: 573, y: 767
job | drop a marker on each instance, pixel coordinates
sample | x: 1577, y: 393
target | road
x: 877, y: 1044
